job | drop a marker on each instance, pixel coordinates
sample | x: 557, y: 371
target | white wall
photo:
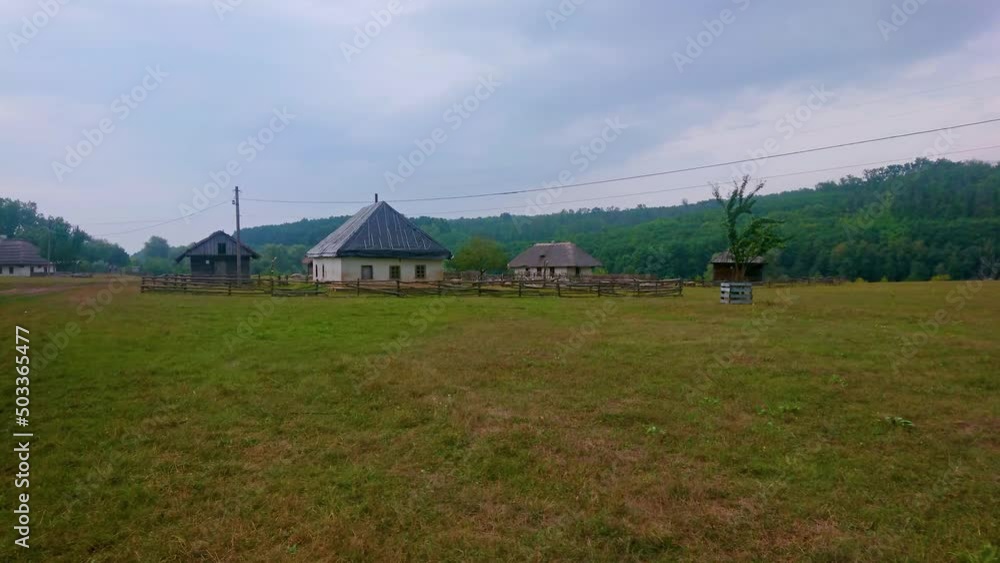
x: 560, y: 272
x: 349, y: 269
x: 17, y: 271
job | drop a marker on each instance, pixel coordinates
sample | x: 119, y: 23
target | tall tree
x: 481, y: 255
x: 156, y: 247
x: 749, y: 236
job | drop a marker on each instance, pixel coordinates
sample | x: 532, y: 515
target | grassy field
x: 822, y: 424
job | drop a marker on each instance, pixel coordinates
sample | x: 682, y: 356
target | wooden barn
x: 215, y: 255
x: 724, y: 268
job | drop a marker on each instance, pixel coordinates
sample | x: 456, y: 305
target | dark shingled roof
x: 379, y: 231
x: 15, y: 252
x: 201, y: 248
x: 554, y: 255
x: 727, y: 258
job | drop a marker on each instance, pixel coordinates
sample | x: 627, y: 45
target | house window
x: 393, y: 272
x: 552, y: 272
x: 324, y: 271
x: 220, y: 248
x: 577, y: 271
x: 10, y: 270
x: 420, y: 271
x: 367, y: 272
x: 538, y: 271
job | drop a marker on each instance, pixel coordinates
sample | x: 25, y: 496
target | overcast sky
x: 326, y: 101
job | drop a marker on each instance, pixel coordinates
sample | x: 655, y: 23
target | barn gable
x: 210, y: 246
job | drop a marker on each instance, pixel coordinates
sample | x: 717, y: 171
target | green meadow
x: 851, y: 423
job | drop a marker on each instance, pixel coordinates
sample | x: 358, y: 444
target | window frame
x: 398, y: 271
x: 420, y: 271
x: 220, y: 249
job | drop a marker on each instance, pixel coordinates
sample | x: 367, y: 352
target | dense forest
x: 912, y: 221
x: 69, y: 247
x: 902, y: 222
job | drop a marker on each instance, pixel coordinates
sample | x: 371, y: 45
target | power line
x: 660, y: 173
x: 704, y: 184
x: 181, y: 218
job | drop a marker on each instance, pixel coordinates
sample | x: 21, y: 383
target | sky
x: 138, y: 118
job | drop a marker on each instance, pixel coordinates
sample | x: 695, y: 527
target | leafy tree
x: 481, y: 255
x: 156, y: 247
x: 749, y: 236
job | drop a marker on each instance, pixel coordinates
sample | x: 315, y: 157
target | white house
x: 21, y: 258
x: 553, y: 260
x: 377, y: 243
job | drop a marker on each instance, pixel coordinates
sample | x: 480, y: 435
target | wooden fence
x: 490, y: 288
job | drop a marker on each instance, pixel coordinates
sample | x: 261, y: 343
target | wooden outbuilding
x: 551, y: 260
x: 724, y: 268
x: 215, y: 255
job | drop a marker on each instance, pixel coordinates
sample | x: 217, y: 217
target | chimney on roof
x: 376, y: 198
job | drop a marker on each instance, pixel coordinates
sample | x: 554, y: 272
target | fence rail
x: 580, y: 288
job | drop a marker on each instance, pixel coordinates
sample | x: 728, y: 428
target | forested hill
x: 899, y: 222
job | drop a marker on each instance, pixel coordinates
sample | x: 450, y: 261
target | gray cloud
x: 603, y: 60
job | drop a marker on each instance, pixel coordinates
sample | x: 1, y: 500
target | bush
x: 941, y: 277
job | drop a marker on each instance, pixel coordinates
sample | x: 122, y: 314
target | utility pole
x: 239, y: 245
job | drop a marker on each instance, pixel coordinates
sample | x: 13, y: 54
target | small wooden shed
x: 215, y: 255
x: 724, y: 268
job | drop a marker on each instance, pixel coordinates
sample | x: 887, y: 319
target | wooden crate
x: 736, y: 293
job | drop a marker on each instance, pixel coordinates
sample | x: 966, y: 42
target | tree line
x: 912, y: 221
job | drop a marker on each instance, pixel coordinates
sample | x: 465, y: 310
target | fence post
x: 398, y: 293
x: 480, y: 286
x: 520, y: 287
x: 229, y: 288
x: 637, y: 288
x: 359, y: 287
x: 440, y: 288
x: 598, y: 288
x: 272, y: 285
x: 558, y: 290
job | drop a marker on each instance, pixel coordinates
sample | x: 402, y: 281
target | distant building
x: 377, y: 243
x: 724, y: 268
x: 21, y: 258
x: 553, y: 260
x: 215, y: 255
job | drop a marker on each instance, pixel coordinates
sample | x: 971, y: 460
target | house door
x: 220, y: 267
x: 367, y: 273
